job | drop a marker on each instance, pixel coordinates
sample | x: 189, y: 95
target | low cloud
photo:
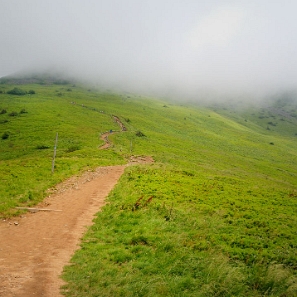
x: 217, y: 29
x: 184, y: 49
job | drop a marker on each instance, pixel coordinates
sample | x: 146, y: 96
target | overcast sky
x: 182, y: 46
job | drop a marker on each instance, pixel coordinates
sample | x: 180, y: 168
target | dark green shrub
x: 30, y: 195
x: 139, y: 134
x: 5, y: 135
x: 42, y: 147
x: 31, y: 92
x: 17, y: 91
x: 3, y: 111
x: 23, y: 111
x: 73, y: 148
x: 13, y: 114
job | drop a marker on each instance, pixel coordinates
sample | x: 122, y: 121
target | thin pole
x: 54, y: 157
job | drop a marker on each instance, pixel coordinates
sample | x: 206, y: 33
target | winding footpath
x: 35, y: 247
x: 104, y: 136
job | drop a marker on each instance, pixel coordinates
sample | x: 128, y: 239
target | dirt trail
x: 104, y: 136
x: 35, y: 247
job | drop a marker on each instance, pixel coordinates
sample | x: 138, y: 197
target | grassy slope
x: 221, y: 221
x: 25, y: 170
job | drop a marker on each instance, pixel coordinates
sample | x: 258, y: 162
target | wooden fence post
x: 54, y: 157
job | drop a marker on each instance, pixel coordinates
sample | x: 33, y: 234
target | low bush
x: 13, y: 114
x: 42, y: 147
x: 73, y: 148
x: 5, y: 135
x: 139, y: 134
x: 17, y: 91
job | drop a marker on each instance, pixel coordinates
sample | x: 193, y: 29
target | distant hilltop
x: 37, y: 78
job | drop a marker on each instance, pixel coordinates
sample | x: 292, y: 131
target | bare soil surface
x: 104, y: 136
x: 106, y: 144
x: 35, y: 247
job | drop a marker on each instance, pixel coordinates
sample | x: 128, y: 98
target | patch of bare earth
x: 35, y: 247
x: 106, y: 144
x: 141, y: 160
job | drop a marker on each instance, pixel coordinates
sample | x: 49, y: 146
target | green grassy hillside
x: 217, y: 213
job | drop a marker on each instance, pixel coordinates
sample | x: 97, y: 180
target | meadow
x: 213, y: 216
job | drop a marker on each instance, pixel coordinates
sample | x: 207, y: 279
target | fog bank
x: 184, y: 49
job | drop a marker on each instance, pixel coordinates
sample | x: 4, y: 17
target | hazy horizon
x: 176, y: 48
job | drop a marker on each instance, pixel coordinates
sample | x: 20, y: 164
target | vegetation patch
x: 42, y: 147
x: 17, y: 91
x: 5, y: 135
x: 215, y: 215
x: 139, y: 134
x: 13, y: 114
x: 73, y: 148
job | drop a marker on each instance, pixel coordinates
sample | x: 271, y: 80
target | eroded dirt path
x: 104, y: 136
x: 35, y: 247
